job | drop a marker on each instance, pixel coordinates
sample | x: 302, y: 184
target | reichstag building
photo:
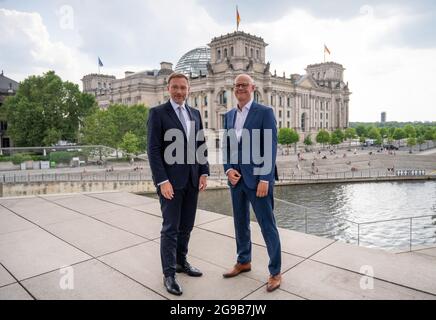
x: 306, y: 103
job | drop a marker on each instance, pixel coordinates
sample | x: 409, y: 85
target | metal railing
x: 360, y: 224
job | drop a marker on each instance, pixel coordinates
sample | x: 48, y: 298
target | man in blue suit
x: 251, y: 136
x: 179, y: 173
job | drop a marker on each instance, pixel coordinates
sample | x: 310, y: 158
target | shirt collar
x: 176, y: 106
x: 246, y: 107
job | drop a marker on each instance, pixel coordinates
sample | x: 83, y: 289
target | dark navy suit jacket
x: 161, y: 119
x: 259, y: 117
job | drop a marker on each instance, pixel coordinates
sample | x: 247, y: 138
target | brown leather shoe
x: 274, y: 282
x: 237, y: 269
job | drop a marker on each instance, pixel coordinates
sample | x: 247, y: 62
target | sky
x: 388, y: 48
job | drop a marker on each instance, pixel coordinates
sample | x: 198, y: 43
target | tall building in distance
x: 383, y: 117
x: 318, y: 99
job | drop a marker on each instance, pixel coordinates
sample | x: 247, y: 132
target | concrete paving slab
x: 5, y: 277
x: 14, y: 292
x: 123, y: 198
x: 137, y: 222
x: 40, y: 211
x: 94, y: 237
x: 221, y: 250
x: 430, y: 252
x: 296, y: 243
x: 262, y: 294
x: 32, y: 252
x: 89, y: 280
x: 86, y: 205
x: 143, y: 264
x: 417, y: 271
x: 150, y: 208
x: 12, y: 223
x: 314, y: 280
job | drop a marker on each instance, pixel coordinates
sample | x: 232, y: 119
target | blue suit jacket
x: 259, y: 117
x: 161, y: 119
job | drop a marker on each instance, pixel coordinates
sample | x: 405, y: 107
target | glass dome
x: 194, y: 61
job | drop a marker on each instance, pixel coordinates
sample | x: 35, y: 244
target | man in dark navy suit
x: 179, y: 172
x: 250, y: 148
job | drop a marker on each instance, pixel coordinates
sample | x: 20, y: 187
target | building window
x: 280, y: 113
x: 219, y: 54
x: 225, y: 53
x: 280, y: 101
x: 205, y: 100
x: 280, y: 124
x: 289, y: 124
x: 206, y: 125
x: 251, y: 53
x: 320, y: 125
x: 256, y: 96
x: 320, y: 115
x: 272, y: 100
x: 205, y: 114
x: 257, y: 54
x: 326, y: 125
x: 223, y: 98
x: 289, y: 114
x: 326, y: 115
x: 196, y: 102
x: 246, y: 51
x: 232, y: 51
x: 289, y: 102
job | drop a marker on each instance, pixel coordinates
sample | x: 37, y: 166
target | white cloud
x: 382, y: 77
x: 29, y: 49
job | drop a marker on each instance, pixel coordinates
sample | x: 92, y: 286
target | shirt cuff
x: 227, y: 171
x: 267, y: 182
x: 205, y: 175
x: 162, y: 182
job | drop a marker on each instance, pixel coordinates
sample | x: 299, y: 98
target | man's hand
x: 233, y: 176
x: 202, y: 183
x: 262, y: 189
x: 167, y: 190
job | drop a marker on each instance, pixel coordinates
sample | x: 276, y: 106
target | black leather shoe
x: 188, y: 269
x: 172, y: 285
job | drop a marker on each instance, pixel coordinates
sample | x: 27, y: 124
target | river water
x: 334, y: 211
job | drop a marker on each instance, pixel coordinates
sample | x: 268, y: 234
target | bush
x: 61, y: 156
x: 20, y: 157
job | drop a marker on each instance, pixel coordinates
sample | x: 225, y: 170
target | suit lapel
x: 232, y: 119
x: 250, y: 116
x: 174, y: 117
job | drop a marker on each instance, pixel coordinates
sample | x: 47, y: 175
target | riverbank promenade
x: 106, y: 246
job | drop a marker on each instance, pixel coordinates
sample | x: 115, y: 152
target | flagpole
x: 237, y: 24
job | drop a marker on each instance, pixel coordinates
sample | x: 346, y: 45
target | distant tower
x: 383, y: 117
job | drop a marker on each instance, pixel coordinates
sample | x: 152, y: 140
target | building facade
x: 316, y: 100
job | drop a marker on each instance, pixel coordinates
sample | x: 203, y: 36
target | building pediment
x: 307, y: 82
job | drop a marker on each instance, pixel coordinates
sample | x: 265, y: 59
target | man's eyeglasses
x: 241, y: 85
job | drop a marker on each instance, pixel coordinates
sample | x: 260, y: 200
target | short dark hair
x: 176, y: 75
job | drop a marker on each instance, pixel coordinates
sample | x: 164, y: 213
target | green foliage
x: 308, y: 141
x: 323, y: 136
x: 45, y: 110
x: 339, y: 134
x: 61, y: 156
x: 335, y: 139
x: 108, y: 127
x: 399, y: 134
x: 130, y: 143
x: 350, y: 133
x: 374, y: 133
x: 287, y: 136
x: 18, y: 158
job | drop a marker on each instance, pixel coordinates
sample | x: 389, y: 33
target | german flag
x: 238, y: 19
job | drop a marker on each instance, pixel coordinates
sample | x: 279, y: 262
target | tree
x: 46, y: 110
x: 384, y: 132
x: 340, y: 134
x: 411, y: 142
x: 130, y: 143
x: 323, y: 137
x: 410, y: 131
x: 361, y: 130
x: 350, y: 133
x: 308, y: 141
x: 287, y: 136
x: 399, y: 134
x: 374, y: 133
x: 108, y: 127
x: 420, y: 140
x: 335, y: 139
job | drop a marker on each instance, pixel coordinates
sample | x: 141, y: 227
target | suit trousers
x: 263, y: 207
x: 178, y: 220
